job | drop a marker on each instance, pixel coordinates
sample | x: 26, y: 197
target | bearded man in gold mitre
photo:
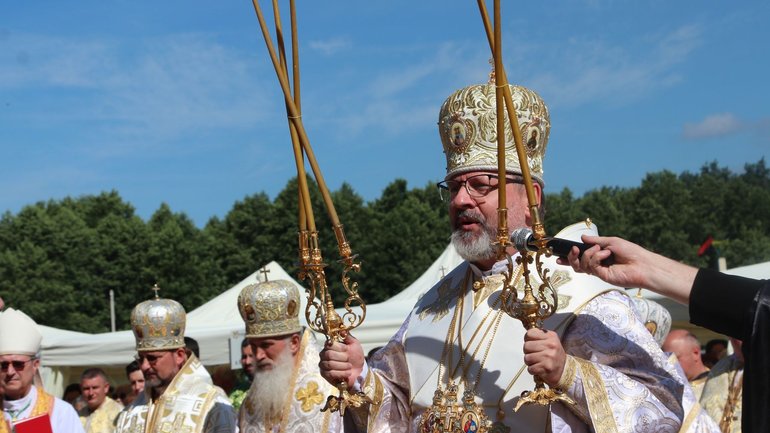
x: 459, y: 363
x: 179, y: 395
x: 287, y: 392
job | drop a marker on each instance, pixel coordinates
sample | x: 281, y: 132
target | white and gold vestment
x: 619, y: 378
x: 190, y: 404
x: 304, y: 399
x: 722, y: 394
x: 102, y: 420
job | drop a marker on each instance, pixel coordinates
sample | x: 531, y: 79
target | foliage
x: 60, y: 259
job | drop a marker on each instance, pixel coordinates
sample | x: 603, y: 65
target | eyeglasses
x: 152, y: 359
x: 477, y: 186
x: 17, y: 365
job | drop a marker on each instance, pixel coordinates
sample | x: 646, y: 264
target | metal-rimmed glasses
x: 477, y: 186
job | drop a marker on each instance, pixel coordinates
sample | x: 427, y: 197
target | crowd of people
x: 458, y: 363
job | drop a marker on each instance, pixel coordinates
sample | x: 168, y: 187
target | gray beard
x: 475, y: 247
x: 270, y: 388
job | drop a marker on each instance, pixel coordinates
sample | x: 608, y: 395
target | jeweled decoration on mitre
x: 468, y: 127
x: 158, y: 324
x: 270, y: 308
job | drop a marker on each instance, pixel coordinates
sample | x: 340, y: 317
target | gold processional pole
x: 319, y: 313
x: 534, y: 306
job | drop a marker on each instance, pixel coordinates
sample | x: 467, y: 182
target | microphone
x: 524, y: 240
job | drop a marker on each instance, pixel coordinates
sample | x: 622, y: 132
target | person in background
x: 20, y: 341
x: 722, y: 391
x: 191, y: 347
x: 715, y: 350
x: 248, y: 367
x: 247, y: 360
x: 686, y: 347
x: 135, y: 378
x: 124, y: 394
x: 71, y: 393
x: 224, y: 377
x: 288, y: 392
x: 101, y: 411
x: 178, y: 394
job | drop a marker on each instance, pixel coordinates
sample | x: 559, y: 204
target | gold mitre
x: 158, y: 324
x: 19, y: 334
x: 270, y: 308
x: 467, y: 124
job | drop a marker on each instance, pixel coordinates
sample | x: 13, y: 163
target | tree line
x: 59, y: 259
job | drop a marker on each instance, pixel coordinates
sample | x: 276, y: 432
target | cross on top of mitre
x: 264, y: 271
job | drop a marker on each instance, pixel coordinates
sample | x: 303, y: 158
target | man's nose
x: 462, y: 199
x: 260, y: 354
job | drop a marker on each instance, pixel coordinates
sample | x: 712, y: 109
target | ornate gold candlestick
x: 534, y: 306
x: 319, y: 312
x: 532, y: 309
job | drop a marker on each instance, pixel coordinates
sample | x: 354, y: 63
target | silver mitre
x: 158, y: 324
x: 467, y: 124
x: 270, y: 308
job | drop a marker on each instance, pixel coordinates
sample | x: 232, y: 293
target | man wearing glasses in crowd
x: 174, y: 381
x: 27, y: 407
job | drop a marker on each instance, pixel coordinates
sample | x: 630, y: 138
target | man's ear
x: 294, y: 343
x: 180, y: 356
x: 538, y: 196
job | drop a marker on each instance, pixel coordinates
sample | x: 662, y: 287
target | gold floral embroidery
x: 309, y: 396
x: 597, y: 398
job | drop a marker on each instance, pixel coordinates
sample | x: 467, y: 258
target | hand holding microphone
x: 524, y: 240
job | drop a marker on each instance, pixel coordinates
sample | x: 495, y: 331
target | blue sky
x: 177, y: 102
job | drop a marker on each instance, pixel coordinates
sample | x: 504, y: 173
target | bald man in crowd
x: 686, y: 347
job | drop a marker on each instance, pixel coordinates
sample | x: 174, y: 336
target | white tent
x: 384, y: 319
x: 65, y: 354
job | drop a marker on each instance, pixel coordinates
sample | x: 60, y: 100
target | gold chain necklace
x: 446, y: 414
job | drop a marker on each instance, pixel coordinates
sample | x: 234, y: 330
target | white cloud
x: 137, y: 95
x: 727, y: 124
x: 395, y: 101
x: 715, y: 125
x: 588, y: 71
x: 330, y: 46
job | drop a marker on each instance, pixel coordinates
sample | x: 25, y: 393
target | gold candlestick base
x: 341, y: 402
x: 542, y: 396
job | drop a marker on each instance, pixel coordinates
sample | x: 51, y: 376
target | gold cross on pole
x: 264, y: 272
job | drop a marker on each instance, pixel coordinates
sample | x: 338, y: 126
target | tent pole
x: 112, y: 310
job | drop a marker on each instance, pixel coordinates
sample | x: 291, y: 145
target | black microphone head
x: 520, y: 237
